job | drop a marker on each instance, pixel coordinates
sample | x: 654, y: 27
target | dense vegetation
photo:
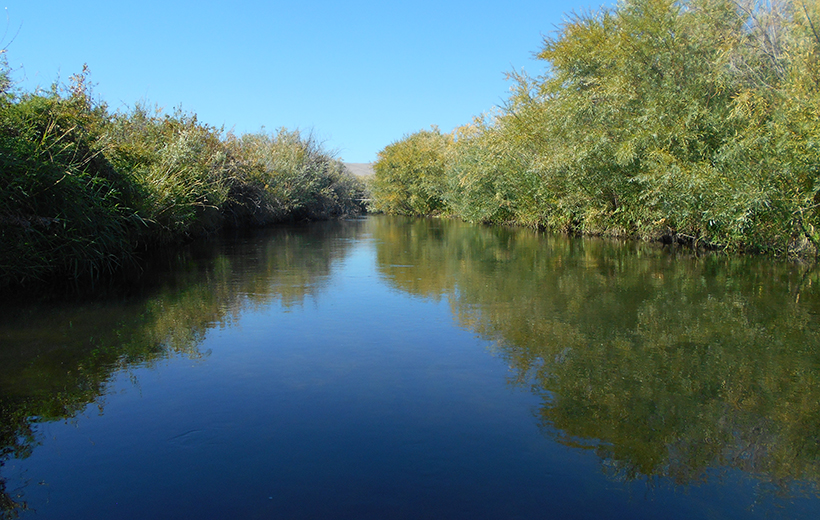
x: 694, y: 121
x: 84, y: 190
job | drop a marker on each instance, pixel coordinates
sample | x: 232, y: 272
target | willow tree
x: 636, y: 109
x: 781, y: 112
x: 802, y: 114
x: 695, y: 119
x: 409, y: 174
x: 490, y: 174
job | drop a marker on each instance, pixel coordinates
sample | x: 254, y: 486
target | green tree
x: 694, y: 120
x: 410, y: 174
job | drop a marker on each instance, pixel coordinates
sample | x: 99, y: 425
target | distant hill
x: 360, y: 169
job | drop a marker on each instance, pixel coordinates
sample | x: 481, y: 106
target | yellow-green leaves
x: 695, y: 117
x: 409, y: 176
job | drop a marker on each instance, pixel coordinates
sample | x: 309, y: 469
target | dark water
x: 391, y: 368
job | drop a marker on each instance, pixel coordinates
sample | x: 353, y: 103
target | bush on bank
x: 84, y: 190
x: 409, y: 175
x: 696, y: 121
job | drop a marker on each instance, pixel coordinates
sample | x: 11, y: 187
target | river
x: 396, y: 368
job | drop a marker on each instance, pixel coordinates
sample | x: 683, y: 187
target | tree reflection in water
x: 666, y: 364
x: 58, y: 357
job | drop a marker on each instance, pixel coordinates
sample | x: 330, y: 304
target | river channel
x: 398, y: 368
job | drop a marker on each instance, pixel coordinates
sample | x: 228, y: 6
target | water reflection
x: 667, y: 366
x: 56, y: 358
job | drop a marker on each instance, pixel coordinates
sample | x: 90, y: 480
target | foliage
x: 695, y: 120
x: 489, y: 176
x: 409, y: 174
x: 177, y: 163
x: 287, y: 176
x: 63, y: 207
x: 84, y: 191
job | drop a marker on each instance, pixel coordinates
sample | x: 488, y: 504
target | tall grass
x: 286, y: 176
x: 63, y: 207
x: 178, y: 165
x: 84, y: 190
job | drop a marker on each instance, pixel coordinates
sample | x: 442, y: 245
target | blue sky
x: 360, y: 74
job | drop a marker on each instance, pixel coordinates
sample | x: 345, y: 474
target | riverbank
x: 693, y: 122
x: 84, y: 191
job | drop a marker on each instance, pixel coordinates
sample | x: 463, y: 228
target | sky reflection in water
x: 405, y: 369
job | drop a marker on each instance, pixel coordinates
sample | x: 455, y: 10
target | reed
x: 63, y: 207
x: 83, y: 191
x: 287, y: 176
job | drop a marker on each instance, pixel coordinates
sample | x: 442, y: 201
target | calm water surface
x: 395, y: 368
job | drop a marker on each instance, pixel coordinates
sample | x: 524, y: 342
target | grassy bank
x: 84, y: 190
x: 695, y: 122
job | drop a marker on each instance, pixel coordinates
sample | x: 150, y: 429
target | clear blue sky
x: 360, y: 74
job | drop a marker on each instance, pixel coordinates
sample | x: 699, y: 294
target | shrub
x: 179, y: 166
x: 693, y: 119
x: 410, y: 174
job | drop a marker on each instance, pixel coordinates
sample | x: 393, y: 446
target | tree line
x: 692, y: 121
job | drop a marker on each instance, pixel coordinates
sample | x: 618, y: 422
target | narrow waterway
x: 398, y: 368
